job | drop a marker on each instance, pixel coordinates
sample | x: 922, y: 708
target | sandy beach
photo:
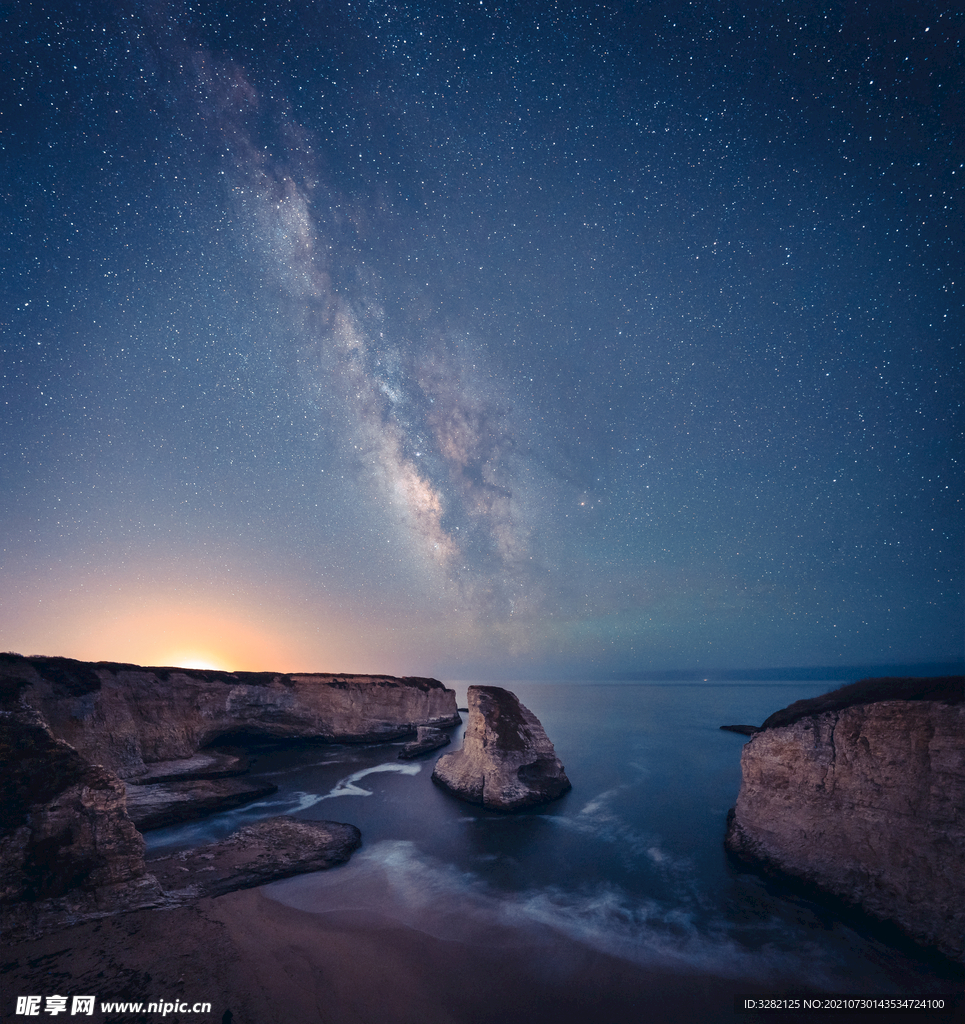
x: 267, y: 963
x: 258, y: 961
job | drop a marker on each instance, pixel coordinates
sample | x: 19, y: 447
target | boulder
x: 862, y: 797
x: 427, y: 738
x: 506, y: 761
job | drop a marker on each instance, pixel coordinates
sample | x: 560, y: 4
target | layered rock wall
x: 70, y: 732
x: 68, y: 850
x: 865, y: 802
x: 126, y: 717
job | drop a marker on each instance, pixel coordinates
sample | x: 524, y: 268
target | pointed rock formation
x: 507, y: 760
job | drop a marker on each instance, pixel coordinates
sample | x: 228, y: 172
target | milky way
x: 427, y: 423
x: 553, y: 340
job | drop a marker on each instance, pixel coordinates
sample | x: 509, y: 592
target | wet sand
x: 258, y: 961
x: 272, y: 964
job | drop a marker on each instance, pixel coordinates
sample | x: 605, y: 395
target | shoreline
x: 621, y: 906
x: 269, y: 963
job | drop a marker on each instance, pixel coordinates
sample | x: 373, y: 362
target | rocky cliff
x: 507, y: 760
x: 125, y: 717
x: 71, y: 732
x: 68, y: 850
x: 860, y: 792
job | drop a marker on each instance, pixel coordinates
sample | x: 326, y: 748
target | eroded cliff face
x: 68, y: 850
x: 865, y: 802
x: 126, y: 717
x: 72, y: 732
x: 507, y: 761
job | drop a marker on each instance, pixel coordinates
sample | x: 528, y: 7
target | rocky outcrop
x: 861, y: 794
x: 126, y: 717
x: 68, y: 850
x: 76, y: 738
x: 254, y: 855
x: 427, y: 738
x: 159, y: 804
x: 507, y: 760
x: 206, y: 764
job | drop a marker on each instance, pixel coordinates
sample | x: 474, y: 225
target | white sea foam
x: 227, y: 821
x: 394, y: 879
x: 299, y: 768
x: 598, y: 818
x: 598, y: 803
x: 348, y: 787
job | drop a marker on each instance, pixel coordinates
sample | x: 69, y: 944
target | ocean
x: 629, y: 864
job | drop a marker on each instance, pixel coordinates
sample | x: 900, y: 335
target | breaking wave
x: 394, y: 879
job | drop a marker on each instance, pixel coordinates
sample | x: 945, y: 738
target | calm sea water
x: 631, y: 862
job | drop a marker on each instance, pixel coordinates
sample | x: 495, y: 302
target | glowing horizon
x: 501, y: 387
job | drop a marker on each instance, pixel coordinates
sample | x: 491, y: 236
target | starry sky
x: 480, y: 339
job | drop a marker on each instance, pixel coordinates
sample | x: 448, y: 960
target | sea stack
x: 507, y: 761
x: 860, y: 793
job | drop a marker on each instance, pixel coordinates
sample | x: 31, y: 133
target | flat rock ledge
x: 206, y: 764
x: 255, y: 855
x: 159, y: 804
x: 507, y: 761
x: 427, y: 738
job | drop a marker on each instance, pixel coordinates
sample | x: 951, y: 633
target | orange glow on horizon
x: 188, y: 636
x: 146, y: 616
x: 192, y: 661
x: 175, y: 626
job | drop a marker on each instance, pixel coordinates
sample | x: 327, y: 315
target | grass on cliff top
x: 944, y: 689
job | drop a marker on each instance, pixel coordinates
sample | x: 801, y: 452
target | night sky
x: 480, y: 339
